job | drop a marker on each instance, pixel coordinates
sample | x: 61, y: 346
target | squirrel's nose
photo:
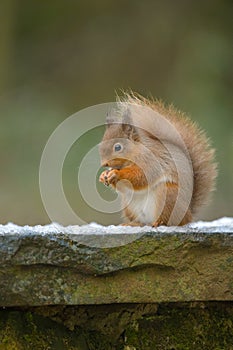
x: 105, y: 164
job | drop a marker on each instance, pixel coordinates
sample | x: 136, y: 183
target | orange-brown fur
x: 146, y: 163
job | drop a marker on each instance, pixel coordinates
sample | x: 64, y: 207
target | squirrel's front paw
x: 103, y: 177
x: 109, y: 177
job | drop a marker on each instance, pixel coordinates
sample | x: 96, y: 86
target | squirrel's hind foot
x: 132, y: 224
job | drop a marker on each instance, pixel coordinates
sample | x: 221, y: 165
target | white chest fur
x: 141, y: 204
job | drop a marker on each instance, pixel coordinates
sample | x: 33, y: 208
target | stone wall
x: 95, y: 287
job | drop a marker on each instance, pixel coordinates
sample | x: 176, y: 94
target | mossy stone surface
x: 152, y: 265
x: 165, y: 289
x: 26, y: 331
x: 173, y: 326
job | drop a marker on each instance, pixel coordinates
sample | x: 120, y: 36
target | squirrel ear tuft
x: 130, y: 131
x: 128, y: 128
x: 113, y: 117
x: 110, y: 119
x: 124, y: 121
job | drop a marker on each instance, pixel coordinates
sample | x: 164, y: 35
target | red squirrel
x: 159, y: 161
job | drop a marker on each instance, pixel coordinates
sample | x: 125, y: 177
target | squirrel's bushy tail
x: 196, y: 142
x: 204, y: 167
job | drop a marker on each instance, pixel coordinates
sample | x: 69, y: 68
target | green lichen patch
x: 172, y: 326
x: 184, y: 328
x: 26, y: 331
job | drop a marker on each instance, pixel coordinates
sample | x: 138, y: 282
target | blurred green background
x: 58, y: 57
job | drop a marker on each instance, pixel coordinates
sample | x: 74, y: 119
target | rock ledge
x: 92, y: 264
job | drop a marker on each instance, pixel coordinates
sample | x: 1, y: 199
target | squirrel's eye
x: 117, y: 147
